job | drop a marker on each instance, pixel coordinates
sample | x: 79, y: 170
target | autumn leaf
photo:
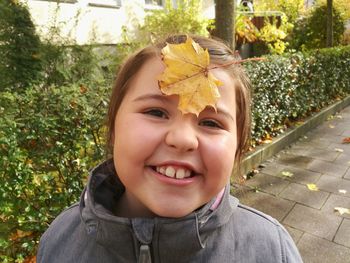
x: 267, y: 139
x: 187, y: 75
x: 37, y: 179
x: 83, y: 89
x: 31, y: 259
x: 73, y: 104
x: 339, y: 116
x: 346, y: 140
x: 287, y: 174
x: 18, y: 234
x: 338, y: 150
x: 331, y: 126
x: 312, y: 187
x: 342, y: 210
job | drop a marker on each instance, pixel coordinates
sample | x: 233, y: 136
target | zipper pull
x: 145, y: 254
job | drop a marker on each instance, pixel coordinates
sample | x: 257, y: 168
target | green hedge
x: 50, y: 136
x: 19, y: 47
x: 291, y: 87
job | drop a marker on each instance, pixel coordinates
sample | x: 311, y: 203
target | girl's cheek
x: 220, y: 152
x: 144, y: 135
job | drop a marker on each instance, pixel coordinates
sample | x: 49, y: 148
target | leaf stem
x: 236, y: 62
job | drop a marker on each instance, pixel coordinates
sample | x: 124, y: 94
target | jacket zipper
x: 145, y: 254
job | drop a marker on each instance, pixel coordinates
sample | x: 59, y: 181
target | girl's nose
x: 182, y: 136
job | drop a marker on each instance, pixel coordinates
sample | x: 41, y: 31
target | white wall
x: 86, y: 23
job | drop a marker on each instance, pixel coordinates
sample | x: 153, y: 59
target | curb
x: 264, y: 152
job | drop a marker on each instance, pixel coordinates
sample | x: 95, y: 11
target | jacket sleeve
x: 62, y: 236
x: 39, y: 255
x: 290, y: 253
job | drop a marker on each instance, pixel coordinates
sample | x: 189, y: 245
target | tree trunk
x: 224, y: 21
x: 329, y: 23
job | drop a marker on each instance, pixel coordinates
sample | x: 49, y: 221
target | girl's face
x: 170, y: 163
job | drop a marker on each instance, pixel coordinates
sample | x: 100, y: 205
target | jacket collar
x: 101, y: 194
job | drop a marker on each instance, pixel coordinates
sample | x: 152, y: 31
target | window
x: 62, y: 1
x: 106, y: 3
x: 154, y: 2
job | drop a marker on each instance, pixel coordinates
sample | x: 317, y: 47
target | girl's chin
x: 172, y: 212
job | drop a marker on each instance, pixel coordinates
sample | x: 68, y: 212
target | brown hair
x: 219, y: 54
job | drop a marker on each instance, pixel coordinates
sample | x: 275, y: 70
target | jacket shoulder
x: 67, y: 228
x: 66, y: 220
x: 256, y: 215
x: 265, y: 235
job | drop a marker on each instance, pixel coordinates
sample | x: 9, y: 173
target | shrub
x: 185, y: 18
x: 269, y: 39
x: 19, y: 47
x: 310, y: 31
x: 291, y: 87
x: 274, y: 37
x: 65, y: 64
x: 292, y: 8
x: 49, y: 138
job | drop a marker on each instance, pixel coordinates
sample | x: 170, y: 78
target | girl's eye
x: 157, y: 113
x: 210, y: 124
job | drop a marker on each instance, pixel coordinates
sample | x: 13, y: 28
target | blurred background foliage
x: 19, y: 46
x: 299, y: 28
x: 54, y: 97
x: 310, y: 31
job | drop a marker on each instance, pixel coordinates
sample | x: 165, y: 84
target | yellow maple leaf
x: 312, y: 187
x: 287, y: 174
x: 342, y: 210
x: 187, y: 75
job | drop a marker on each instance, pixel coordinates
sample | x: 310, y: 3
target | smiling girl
x: 165, y: 194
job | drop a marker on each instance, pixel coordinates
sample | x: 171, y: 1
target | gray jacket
x: 89, y: 232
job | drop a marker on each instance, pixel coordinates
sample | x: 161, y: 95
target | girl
x: 165, y: 195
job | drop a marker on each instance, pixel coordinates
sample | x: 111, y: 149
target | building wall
x: 93, y: 21
x: 86, y: 22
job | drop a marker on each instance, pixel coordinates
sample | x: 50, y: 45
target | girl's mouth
x: 173, y: 172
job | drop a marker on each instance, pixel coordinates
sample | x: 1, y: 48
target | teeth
x: 180, y: 174
x: 162, y: 170
x: 172, y: 172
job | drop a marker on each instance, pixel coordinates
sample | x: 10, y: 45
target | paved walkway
x: 280, y: 189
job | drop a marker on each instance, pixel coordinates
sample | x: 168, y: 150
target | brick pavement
x: 280, y: 190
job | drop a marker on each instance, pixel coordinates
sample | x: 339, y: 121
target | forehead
x: 145, y: 82
x: 146, y: 78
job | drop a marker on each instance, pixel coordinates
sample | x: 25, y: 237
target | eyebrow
x: 224, y: 112
x: 152, y: 96
x: 165, y: 98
